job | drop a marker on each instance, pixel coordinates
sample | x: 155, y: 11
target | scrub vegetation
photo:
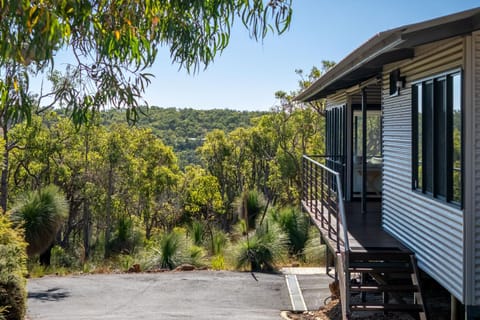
x: 83, y: 191
x: 109, y: 197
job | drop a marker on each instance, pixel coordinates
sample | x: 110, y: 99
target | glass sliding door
x: 374, y: 152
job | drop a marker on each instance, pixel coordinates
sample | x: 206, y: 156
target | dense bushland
x: 107, y: 196
x: 123, y: 186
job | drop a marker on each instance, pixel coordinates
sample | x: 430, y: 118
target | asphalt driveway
x: 171, y: 295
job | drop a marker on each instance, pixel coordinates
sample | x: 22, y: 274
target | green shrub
x: 127, y: 237
x: 314, y: 252
x: 262, y: 249
x: 13, y: 261
x: 197, y: 232
x: 60, y: 258
x: 3, y: 311
x: 40, y: 213
x: 218, y: 262
x: 170, y: 250
x: 249, y: 206
x: 195, y: 256
x: 219, y: 242
x: 296, y: 226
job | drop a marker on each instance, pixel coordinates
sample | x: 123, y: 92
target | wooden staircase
x: 384, y: 281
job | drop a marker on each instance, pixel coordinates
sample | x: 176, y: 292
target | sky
x: 248, y: 73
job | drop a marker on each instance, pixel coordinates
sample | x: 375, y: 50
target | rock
x: 185, y: 267
x: 135, y: 268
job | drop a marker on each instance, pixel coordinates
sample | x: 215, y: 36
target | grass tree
x: 170, y: 250
x: 41, y: 213
x: 296, y: 226
x: 262, y: 249
x: 249, y: 206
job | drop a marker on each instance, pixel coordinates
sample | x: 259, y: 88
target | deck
x: 365, y: 232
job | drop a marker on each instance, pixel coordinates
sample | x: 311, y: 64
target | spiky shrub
x: 195, y: 255
x: 296, y: 226
x: 41, y: 213
x: 262, y: 249
x: 13, y: 259
x: 3, y: 310
x: 219, y: 242
x: 170, y: 250
x: 197, y: 232
x: 127, y: 236
x: 249, y: 206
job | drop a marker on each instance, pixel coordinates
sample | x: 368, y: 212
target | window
x: 437, y: 132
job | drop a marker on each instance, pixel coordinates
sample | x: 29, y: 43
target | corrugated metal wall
x: 474, y: 241
x: 433, y: 230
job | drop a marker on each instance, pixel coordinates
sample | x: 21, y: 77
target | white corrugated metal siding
x: 474, y: 245
x: 432, y: 229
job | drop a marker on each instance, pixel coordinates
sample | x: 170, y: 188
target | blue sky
x: 248, y: 73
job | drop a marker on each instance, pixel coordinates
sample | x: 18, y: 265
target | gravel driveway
x: 170, y: 295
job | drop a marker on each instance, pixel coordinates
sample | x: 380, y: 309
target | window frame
x: 432, y: 188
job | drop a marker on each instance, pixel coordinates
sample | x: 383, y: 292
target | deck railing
x: 322, y: 194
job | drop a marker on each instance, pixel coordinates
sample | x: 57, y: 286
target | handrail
x: 341, y: 206
x: 312, y: 180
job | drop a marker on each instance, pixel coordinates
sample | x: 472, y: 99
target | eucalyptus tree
x: 111, y: 43
x: 216, y: 153
x: 155, y: 181
x: 201, y: 195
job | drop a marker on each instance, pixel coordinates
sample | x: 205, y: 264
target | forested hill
x: 184, y: 129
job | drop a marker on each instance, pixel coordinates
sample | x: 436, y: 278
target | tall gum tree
x: 112, y: 43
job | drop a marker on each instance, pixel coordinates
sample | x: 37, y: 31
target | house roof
x: 386, y: 47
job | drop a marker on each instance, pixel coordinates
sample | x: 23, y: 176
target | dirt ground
x: 438, y: 304
x: 332, y: 311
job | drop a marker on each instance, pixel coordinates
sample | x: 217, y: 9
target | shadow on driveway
x: 53, y: 294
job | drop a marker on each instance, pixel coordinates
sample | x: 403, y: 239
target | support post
x: 453, y: 307
x: 364, y: 151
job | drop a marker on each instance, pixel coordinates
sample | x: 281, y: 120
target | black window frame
x: 437, y: 179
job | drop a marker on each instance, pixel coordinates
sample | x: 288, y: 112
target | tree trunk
x: 86, y: 228
x: 4, y: 178
x: 108, y: 212
x: 45, y: 257
x: 86, y: 202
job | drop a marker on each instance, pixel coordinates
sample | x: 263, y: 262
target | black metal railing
x: 323, y: 195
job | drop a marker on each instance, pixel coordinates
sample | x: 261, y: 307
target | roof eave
x: 386, y: 47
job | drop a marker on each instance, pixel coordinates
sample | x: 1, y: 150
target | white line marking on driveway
x: 296, y: 297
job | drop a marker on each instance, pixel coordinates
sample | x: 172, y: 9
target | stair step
x: 386, y: 307
x: 380, y: 264
x: 379, y: 255
x: 379, y: 270
x: 384, y: 288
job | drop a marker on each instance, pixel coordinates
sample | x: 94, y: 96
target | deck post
x: 315, y: 178
x: 329, y: 208
x: 309, y: 179
x: 321, y: 196
x: 304, y: 179
x: 364, y: 150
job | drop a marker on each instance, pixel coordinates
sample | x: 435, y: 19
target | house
x: 408, y: 178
